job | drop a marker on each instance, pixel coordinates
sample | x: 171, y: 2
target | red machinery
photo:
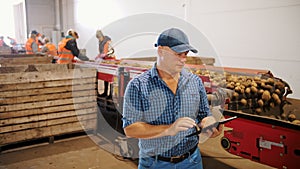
x: 265, y: 140
x: 262, y: 139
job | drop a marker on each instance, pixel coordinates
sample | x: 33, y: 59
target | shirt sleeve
x: 132, y: 107
x: 204, y: 110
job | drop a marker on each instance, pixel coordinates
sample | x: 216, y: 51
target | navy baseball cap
x: 176, y: 39
x: 34, y: 32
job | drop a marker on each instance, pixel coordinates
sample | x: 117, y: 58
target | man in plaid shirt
x: 164, y: 104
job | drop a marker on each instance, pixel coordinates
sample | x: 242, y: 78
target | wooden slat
x: 43, y: 91
x: 45, y: 84
x: 28, y: 77
x: 48, y: 122
x: 17, y: 136
x: 25, y: 60
x: 41, y: 104
x: 45, y: 97
x: 33, y: 67
x: 44, y: 110
x: 27, y: 119
x: 22, y: 55
x: 41, y: 100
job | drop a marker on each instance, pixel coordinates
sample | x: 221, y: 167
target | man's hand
x: 214, y: 132
x: 181, y: 124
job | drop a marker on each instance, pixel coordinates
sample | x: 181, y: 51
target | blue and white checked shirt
x: 148, y: 99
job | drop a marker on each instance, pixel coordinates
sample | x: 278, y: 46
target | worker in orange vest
x: 31, y: 45
x: 67, y: 48
x: 39, y: 39
x: 106, y: 52
x: 50, y: 49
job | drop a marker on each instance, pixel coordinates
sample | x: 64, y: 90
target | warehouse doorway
x: 12, y: 15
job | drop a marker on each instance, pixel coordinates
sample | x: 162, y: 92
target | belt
x: 177, y: 159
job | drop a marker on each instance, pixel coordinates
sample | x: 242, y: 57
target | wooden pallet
x: 38, y: 101
x: 5, y: 50
x: 24, y: 59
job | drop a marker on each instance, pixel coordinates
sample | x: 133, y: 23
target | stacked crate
x: 22, y: 59
x: 5, y: 50
x: 38, y: 101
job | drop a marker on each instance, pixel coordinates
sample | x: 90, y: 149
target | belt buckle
x: 175, y: 159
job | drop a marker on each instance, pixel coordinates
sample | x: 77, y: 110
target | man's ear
x: 160, y: 50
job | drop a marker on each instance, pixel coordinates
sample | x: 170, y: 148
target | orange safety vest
x: 51, y: 49
x: 65, y: 55
x: 28, y: 46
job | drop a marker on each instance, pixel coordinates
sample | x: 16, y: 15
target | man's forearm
x: 146, y: 131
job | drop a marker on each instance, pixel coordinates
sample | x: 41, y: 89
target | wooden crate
x: 24, y: 59
x: 196, y: 60
x: 5, y: 50
x: 46, y: 100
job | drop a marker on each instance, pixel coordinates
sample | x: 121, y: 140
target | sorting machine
x: 264, y: 135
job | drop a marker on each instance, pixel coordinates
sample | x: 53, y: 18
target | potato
x: 296, y: 122
x: 254, y: 89
x: 198, y: 72
x: 270, y: 81
x: 260, y: 103
x: 278, y: 101
x: 248, y: 90
x: 254, y: 84
x: 258, y: 111
x: 235, y: 95
x: 237, y: 89
x: 257, y: 78
x: 260, y: 91
x: 269, y: 87
x: 243, y: 101
x: 277, y: 91
x: 276, y: 98
x: 262, y: 84
x: 279, y: 85
x: 229, y: 86
x: 272, y: 104
x: 283, y: 115
x: 291, y: 117
x: 266, y: 96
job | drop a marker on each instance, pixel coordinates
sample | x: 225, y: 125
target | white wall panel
x: 40, y: 16
x: 91, y: 15
x: 262, y: 34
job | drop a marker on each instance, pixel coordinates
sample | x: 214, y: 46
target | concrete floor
x: 82, y: 153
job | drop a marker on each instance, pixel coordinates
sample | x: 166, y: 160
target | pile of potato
x: 255, y: 92
x: 259, y: 94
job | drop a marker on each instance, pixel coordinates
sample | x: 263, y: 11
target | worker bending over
x: 50, y: 49
x: 67, y: 48
x: 105, y: 53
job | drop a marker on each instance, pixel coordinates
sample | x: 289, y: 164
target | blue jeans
x: 194, y: 161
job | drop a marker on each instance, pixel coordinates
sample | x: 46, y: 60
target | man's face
x: 172, y: 61
x: 100, y: 38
